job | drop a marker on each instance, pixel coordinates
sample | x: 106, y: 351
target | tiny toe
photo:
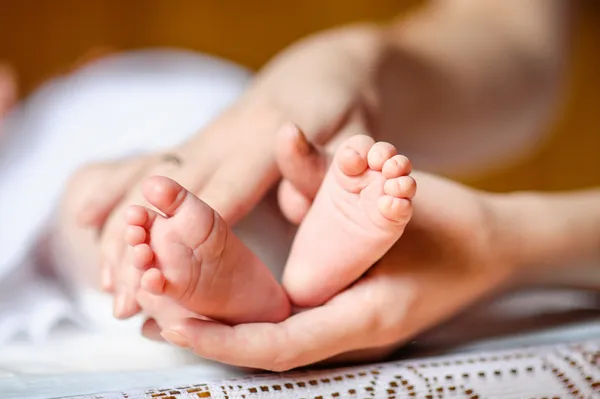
x: 164, y: 193
x: 351, y: 158
x: 142, y: 256
x: 135, y: 235
x: 401, y: 187
x: 153, y: 281
x: 396, y: 166
x: 136, y: 215
x: 398, y: 210
x: 379, y: 153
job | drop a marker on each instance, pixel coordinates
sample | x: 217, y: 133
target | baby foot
x: 191, y: 256
x: 360, y: 211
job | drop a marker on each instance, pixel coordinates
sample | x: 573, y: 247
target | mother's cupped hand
x: 447, y: 258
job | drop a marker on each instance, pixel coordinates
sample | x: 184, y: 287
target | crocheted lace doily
x: 559, y: 371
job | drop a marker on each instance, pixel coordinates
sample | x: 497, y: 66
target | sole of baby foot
x: 189, y: 254
x: 360, y: 211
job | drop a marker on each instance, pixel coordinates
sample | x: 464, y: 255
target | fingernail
x: 105, y: 278
x: 119, y: 305
x: 176, y: 339
x: 304, y: 146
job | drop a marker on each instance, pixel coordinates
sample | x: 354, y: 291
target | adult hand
x: 318, y: 84
x: 448, y: 257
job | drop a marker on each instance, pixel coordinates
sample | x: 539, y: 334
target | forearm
x: 332, y: 66
x: 546, y: 232
x: 461, y: 83
x: 468, y: 82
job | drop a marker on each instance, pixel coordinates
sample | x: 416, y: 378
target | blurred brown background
x: 42, y: 38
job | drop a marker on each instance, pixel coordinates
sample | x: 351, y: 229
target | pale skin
x: 382, y: 80
x: 461, y: 245
x: 360, y: 210
x: 192, y: 257
x: 353, y: 69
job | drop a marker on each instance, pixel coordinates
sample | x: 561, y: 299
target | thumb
x: 303, y: 167
x: 300, y: 162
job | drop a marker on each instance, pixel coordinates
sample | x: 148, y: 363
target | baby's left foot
x: 192, y: 257
x: 359, y: 212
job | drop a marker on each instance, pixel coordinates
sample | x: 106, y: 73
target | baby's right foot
x: 360, y: 211
x: 191, y: 256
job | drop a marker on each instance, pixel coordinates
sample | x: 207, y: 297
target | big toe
x: 164, y: 193
x: 351, y: 158
x: 192, y: 218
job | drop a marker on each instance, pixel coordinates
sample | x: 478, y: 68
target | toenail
x: 175, y: 338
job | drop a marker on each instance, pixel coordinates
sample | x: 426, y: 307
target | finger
x: 303, y: 164
x: 125, y: 304
x: 237, y: 186
x: 151, y: 330
x: 110, y: 184
x: 292, y: 203
x: 351, y: 321
x: 298, y: 341
x: 112, y: 248
x: 300, y: 162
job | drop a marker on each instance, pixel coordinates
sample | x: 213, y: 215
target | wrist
x: 510, y: 230
x: 542, y: 232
